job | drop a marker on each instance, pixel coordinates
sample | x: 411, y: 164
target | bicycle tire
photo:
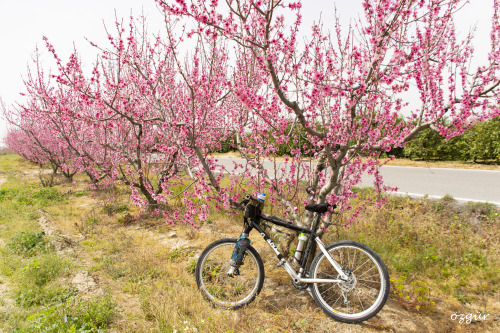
x: 366, y: 291
x: 222, y: 290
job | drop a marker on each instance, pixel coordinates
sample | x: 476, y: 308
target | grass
x: 29, y: 243
x: 437, y: 252
x: 38, y: 276
x: 433, y: 247
x: 75, y: 315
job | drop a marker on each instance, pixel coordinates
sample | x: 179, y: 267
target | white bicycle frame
x: 298, y: 277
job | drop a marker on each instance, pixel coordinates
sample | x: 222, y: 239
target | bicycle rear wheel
x: 222, y: 290
x: 364, y: 293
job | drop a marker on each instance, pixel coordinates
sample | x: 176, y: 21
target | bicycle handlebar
x: 246, y: 200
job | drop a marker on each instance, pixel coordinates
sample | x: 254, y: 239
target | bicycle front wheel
x: 221, y: 289
x: 363, y: 294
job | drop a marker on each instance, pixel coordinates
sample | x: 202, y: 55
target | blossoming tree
x: 348, y: 89
x: 150, y: 117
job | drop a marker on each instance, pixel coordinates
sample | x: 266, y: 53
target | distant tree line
x: 480, y: 144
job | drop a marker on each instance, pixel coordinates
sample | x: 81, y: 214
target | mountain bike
x: 347, y: 279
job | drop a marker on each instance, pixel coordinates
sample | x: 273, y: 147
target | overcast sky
x: 23, y: 23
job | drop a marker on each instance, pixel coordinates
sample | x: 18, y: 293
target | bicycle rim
x: 225, y: 291
x: 366, y: 291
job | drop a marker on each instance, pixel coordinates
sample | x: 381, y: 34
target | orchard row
x: 153, y: 108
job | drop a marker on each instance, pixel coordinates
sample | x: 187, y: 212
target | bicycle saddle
x: 319, y: 208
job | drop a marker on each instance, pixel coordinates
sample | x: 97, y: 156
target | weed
x: 121, y: 209
x: 448, y: 198
x: 126, y: 219
x: 413, y: 295
x: 191, y: 267
x: 88, y: 223
x: 42, y: 270
x: 47, y: 180
x: 178, y: 253
x: 47, y: 196
x: 482, y: 212
x: 115, y: 268
x: 29, y: 243
x: 31, y: 195
x: 434, y: 242
x: 302, y: 323
x: 110, y: 208
x: 35, y: 296
x: 80, y: 194
x: 76, y: 316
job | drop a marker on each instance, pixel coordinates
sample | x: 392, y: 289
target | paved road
x: 462, y: 184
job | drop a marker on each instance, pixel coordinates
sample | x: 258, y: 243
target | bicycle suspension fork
x: 240, y: 247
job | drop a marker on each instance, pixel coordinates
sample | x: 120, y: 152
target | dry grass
x: 435, y: 250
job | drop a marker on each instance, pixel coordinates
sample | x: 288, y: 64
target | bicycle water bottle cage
x: 319, y: 208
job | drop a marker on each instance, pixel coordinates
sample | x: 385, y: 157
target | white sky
x: 23, y: 23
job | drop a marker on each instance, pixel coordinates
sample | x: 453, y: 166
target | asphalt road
x: 463, y: 185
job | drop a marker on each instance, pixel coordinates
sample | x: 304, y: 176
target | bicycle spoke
x: 378, y: 282
x: 368, y: 260
x: 369, y: 276
x: 367, y: 271
x: 336, y: 300
x: 327, y: 290
x: 221, y: 289
x: 368, y: 286
x: 360, y: 302
x: 354, y: 259
x: 361, y: 291
x: 353, y: 301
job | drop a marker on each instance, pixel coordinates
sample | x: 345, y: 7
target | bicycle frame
x: 313, y: 237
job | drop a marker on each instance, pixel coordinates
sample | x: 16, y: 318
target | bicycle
x: 347, y: 279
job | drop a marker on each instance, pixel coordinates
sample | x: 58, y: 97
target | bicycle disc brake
x: 350, y: 283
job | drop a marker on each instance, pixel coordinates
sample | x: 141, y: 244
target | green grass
x: 38, y: 277
x: 29, y: 243
x: 30, y: 195
x: 73, y: 316
x: 12, y: 163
